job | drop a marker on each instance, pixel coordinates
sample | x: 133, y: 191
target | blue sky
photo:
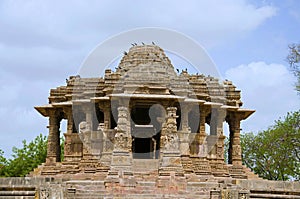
x: 44, y: 42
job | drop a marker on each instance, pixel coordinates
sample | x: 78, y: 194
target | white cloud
x: 69, y: 23
x: 267, y: 88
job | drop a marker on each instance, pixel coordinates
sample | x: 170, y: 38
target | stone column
x: 107, y: 112
x: 123, y: 129
x: 213, y: 121
x: 68, y: 140
x: 53, y: 145
x: 216, y: 137
x: 185, y: 117
x: 88, y: 117
x: 185, y: 132
x: 70, y: 120
x: 202, y: 135
x: 204, y: 111
x: 234, y: 151
x: 221, y: 137
x: 122, y: 156
x: 85, y: 133
x: 170, y: 161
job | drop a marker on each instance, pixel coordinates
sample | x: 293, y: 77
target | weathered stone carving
x: 44, y: 193
x: 83, y: 127
x: 121, y: 141
x: 172, y: 142
x: 101, y: 127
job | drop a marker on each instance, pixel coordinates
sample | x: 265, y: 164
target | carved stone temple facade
x: 145, y: 129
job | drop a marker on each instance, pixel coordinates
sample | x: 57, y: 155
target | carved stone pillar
x: 88, y: 117
x: 107, y: 116
x: 185, y: 132
x: 107, y: 134
x: 122, y: 156
x: 53, y: 145
x: 213, y: 121
x: 85, y: 130
x: 170, y: 154
x: 221, y: 137
x: 70, y: 120
x: 204, y: 111
x: 185, y: 117
x: 234, y: 151
x: 68, y: 140
x: 202, y: 135
x: 123, y: 136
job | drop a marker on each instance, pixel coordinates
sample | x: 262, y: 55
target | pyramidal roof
x: 145, y: 69
x: 144, y: 55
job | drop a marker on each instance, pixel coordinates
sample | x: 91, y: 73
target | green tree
x: 62, y: 148
x: 274, y: 154
x: 226, y: 147
x: 3, y: 161
x: 294, y: 60
x: 26, y: 158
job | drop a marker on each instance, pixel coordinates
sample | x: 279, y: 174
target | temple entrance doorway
x: 145, y: 130
x: 145, y: 148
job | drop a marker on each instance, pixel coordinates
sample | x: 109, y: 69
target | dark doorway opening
x: 142, y: 148
x: 146, y: 148
x: 194, y: 120
x: 98, y: 117
x: 113, y: 118
x: 140, y: 115
x: 145, y: 130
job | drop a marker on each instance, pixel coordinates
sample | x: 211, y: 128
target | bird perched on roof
x: 177, y: 70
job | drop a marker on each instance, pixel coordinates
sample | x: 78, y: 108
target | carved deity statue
x: 172, y: 142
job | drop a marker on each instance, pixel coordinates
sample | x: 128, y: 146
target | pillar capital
x: 234, y: 116
x: 55, y: 113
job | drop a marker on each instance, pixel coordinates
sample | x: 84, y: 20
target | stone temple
x: 148, y: 130
x: 145, y: 116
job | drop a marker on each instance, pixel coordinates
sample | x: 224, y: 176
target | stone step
x: 17, y: 197
x: 17, y: 193
x: 140, y: 165
x: 269, y: 195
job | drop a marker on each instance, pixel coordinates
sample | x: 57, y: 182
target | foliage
x: 3, y: 161
x: 294, y: 60
x: 62, y: 148
x: 226, y: 147
x: 274, y: 154
x: 26, y: 158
